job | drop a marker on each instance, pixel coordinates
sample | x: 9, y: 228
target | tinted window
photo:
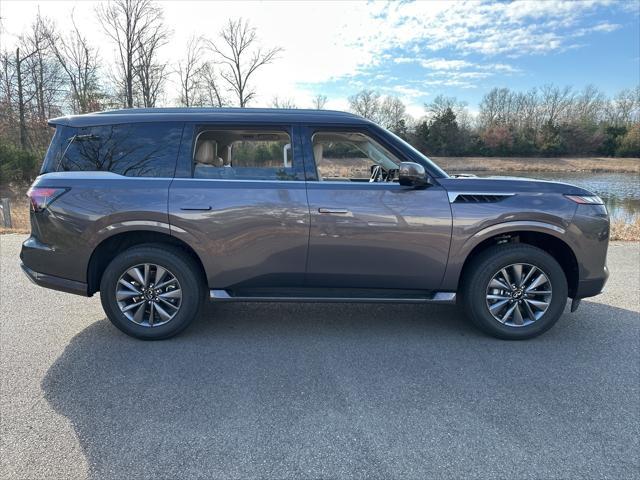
x: 243, y: 154
x: 133, y: 150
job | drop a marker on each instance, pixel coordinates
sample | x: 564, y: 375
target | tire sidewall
x: 486, y: 267
x: 174, y: 261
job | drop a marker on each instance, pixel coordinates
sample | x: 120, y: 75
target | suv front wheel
x: 151, y: 292
x: 514, y: 291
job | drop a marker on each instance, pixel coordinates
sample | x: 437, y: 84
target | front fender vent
x: 478, y: 197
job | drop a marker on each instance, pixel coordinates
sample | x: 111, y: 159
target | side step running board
x: 436, y: 297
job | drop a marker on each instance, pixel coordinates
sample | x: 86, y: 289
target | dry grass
x: 626, y: 231
x: 539, y: 164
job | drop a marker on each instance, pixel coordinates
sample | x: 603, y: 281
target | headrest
x: 206, y: 152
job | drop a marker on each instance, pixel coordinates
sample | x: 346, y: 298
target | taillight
x: 42, y: 197
x: 586, y: 199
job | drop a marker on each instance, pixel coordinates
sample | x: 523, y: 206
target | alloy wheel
x: 518, y: 294
x: 149, y: 295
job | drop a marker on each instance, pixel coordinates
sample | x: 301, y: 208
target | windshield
x: 433, y: 165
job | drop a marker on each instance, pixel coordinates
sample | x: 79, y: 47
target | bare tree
x: 79, y: 60
x: 554, y: 103
x: 319, y: 101
x: 441, y: 103
x: 151, y: 73
x: 21, y: 97
x: 240, y: 56
x: 393, y: 114
x: 130, y: 23
x: 210, y: 90
x: 190, y: 73
x: 286, y: 103
x: 366, y: 103
x: 624, y: 108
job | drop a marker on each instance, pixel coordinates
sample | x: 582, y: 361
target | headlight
x: 586, y: 199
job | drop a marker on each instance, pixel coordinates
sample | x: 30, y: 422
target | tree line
x: 544, y: 121
x: 50, y: 73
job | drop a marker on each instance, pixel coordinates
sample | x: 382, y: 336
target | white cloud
x: 337, y: 41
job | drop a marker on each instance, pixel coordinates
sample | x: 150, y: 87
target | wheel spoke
x: 498, y: 297
x: 166, y: 283
x: 517, y: 273
x: 517, y: 315
x: 177, y: 293
x: 495, y: 308
x: 132, y: 306
x: 169, y: 304
x: 146, y: 274
x: 160, y: 273
x: 505, y: 275
x: 528, y: 275
x: 540, y: 280
x: 538, y: 304
x: 163, y: 314
x: 540, y: 292
x: 508, y: 313
x: 151, y: 313
x: 530, y: 314
x: 124, y: 294
x: 137, y: 317
x: 499, y: 284
x: 129, y: 286
x: 136, y: 274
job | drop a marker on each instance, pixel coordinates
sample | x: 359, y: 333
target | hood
x: 509, y: 185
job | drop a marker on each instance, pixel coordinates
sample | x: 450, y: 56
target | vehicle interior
x: 352, y: 157
x: 242, y: 154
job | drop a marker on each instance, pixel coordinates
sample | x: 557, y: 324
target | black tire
x: 481, y: 271
x: 181, y: 266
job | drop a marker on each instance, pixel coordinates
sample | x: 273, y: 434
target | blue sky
x: 411, y: 49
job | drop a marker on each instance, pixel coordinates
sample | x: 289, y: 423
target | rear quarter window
x: 132, y: 150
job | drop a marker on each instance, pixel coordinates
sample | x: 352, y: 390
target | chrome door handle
x: 336, y: 211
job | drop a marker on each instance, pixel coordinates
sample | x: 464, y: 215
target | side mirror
x: 412, y: 174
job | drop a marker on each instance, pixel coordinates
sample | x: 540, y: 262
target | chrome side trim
x: 453, y: 195
x: 438, y: 297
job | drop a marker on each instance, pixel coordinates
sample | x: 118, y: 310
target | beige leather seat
x: 206, y: 154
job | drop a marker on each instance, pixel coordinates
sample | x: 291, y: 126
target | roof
x: 230, y: 115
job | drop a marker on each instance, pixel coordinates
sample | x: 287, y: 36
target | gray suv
x: 159, y: 209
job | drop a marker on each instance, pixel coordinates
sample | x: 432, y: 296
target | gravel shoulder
x: 317, y: 390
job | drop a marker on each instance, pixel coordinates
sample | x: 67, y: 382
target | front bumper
x: 593, y: 286
x: 55, y: 283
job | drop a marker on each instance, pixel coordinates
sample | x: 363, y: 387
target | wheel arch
x: 113, y: 245
x: 547, y: 241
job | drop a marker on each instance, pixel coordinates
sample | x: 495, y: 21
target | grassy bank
x: 539, y: 164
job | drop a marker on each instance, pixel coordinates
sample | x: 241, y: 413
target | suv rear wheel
x: 151, y: 292
x: 514, y: 292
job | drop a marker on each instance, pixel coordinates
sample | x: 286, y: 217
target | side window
x: 352, y: 157
x: 243, y: 155
x: 133, y: 150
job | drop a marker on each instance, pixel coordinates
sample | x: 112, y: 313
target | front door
x: 368, y: 231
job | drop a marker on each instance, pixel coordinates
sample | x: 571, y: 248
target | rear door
x: 239, y: 199
x: 370, y: 234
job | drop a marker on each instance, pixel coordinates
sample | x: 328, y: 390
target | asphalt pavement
x: 317, y: 390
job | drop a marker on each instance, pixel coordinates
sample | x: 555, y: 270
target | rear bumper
x: 593, y: 286
x: 55, y: 283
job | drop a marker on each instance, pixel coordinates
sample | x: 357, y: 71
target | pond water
x: 620, y: 191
